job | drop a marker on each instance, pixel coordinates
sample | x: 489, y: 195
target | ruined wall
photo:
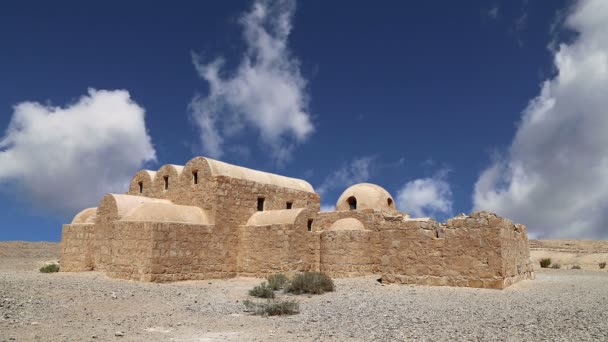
x: 275, y: 248
x: 515, y: 254
x: 471, y: 254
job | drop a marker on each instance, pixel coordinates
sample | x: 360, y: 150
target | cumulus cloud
x: 424, y: 197
x: 356, y: 171
x: 266, y: 92
x: 66, y: 158
x: 554, y: 177
x: 327, y: 208
x: 493, y: 12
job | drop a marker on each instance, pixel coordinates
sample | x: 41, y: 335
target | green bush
x: 576, y: 267
x: 50, y: 268
x: 545, y: 262
x: 556, y: 266
x: 602, y: 265
x: 273, y: 307
x: 277, y: 281
x: 310, y: 282
x: 262, y: 291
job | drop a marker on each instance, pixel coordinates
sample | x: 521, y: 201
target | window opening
x: 310, y: 225
x: 352, y: 203
x: 390, y: 202
x: 141, y: 187
x: 166, y: 178
x: 195, y: 177
x: 289, y: 205
x: 260, y: 203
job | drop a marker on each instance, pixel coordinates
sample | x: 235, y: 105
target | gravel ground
x: 560, y: 305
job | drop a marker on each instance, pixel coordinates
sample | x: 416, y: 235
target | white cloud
x: 426, y: 196
x: 554, y: 178
x: 66, y: 158
x: 266, y: 92
x: 493, y: 12
x: 327, y: 208
x: 357, y: 171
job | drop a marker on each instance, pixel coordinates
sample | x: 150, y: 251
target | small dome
x: 347, y: 224
x: 86, y: 216
x: 365, y: 196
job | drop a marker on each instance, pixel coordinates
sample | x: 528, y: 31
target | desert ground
x: 559, y: 305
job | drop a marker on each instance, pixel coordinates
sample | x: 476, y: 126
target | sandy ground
x: 560, y: 305
x: 567, y: 253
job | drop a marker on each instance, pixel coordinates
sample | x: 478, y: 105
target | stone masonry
x: 209, y: 219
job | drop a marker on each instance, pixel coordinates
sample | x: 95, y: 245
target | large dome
x: 365, y: 196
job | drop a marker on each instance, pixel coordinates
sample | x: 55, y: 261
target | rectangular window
x: 289, y: 205
x: 166, y: 178
x: 310, y: 225
x: 260, y: 203
x: 141, y: 187
x: 195, y: 177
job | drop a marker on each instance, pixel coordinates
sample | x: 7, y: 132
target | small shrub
x: 277, y: 281
x: 556, y: 266
x: 50, y: 268
x: 262, y: 291
x: 310, y: 282
x: 602, y: 265
x: 545, y: 262
x: 272, y: 307
x: 576, y: 267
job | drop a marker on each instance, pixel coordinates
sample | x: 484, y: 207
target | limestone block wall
x: 184, y: 251
x: 515, y: 254
x: 471, y: 253
x: 350, y: 253
x: 76, y: 247
x: 131, y: 251
x: 275, y: 248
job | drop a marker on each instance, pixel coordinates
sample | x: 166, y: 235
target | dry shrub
x: 602, y: 265
x: 545, y: 262
x: 576, y: 267
x: 556, y: 266
x: 50, y: 268
x: 277, y: 281
x: 262, y: 291
x: 310, y: 282
x: 273, y: 307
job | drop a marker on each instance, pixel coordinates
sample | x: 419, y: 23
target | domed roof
x: 87, y: 215
x: 348, y: 223
x: 365, y: 196
x: 163, y: 212
x: 285, y: 216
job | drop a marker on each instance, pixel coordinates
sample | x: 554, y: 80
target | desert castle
x: 209, y: 219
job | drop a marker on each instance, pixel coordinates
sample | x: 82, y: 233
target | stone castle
x: 209, y: 219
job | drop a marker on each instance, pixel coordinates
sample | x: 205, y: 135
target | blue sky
x: 440, y: 103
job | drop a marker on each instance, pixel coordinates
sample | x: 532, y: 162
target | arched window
x: 195, y: 177
x: 166, y: 178
x: 141, y: 187
x: 389, y: 202
x: 352, y: 203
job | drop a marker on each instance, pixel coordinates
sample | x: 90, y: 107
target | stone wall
x: 186, y: 251
x: 277, y: 248
x: 131, y: 251
x: 481, y: 250
x: 76, y: 247
x: 350, y: 253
